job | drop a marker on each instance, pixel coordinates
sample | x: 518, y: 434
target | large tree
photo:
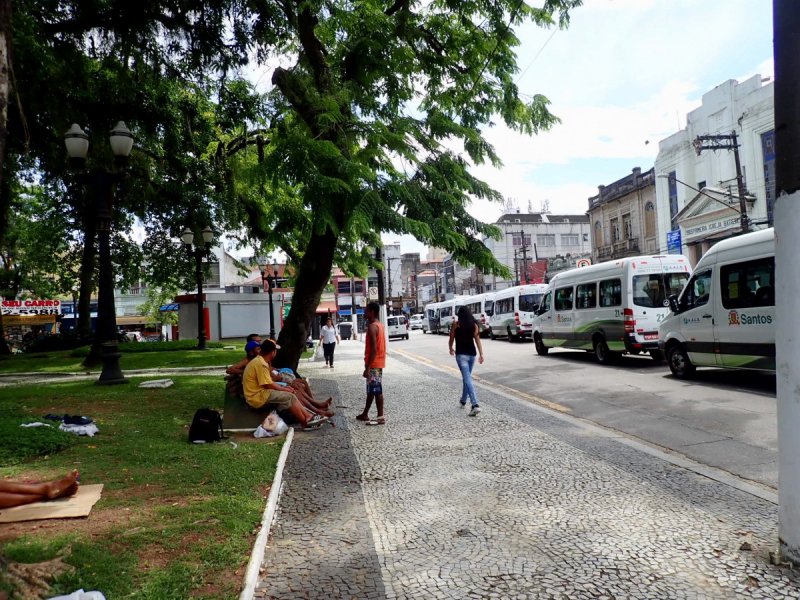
x: 374, y: 128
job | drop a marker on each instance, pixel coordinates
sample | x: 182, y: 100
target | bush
x: 67, y: 340
x: 18, y: 444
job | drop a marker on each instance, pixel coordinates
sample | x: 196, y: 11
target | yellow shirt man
x: 256, y: 376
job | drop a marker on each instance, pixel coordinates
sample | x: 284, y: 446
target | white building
x: 747, y: 108
x: 544, y: 236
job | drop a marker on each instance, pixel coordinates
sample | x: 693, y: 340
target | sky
x: 621, y: 78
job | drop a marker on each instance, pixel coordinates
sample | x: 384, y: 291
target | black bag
x: 206, y: 426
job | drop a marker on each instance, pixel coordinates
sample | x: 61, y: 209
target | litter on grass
x: 157, y: 383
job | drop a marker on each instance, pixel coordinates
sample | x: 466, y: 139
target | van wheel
x: 679, y: 363
x: 657, y: 355
x: 541, y: 349
x: 492, y: 336
x: 510, y: 337
x: 601, y: 352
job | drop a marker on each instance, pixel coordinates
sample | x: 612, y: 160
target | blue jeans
x: 465, y: 364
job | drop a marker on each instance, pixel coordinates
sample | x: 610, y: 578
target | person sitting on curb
x: 235, y: 372
x: 261, y: 391
x: 17, y: 494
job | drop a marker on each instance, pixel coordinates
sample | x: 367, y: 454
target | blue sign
x: 674, y: 242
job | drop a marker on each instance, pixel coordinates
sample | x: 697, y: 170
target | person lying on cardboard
x: 17, y: 494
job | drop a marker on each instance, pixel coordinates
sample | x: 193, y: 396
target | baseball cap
x: 276, y: 344
x: 250, y: 346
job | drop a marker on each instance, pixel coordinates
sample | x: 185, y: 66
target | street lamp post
x: 102, y: 181
x: 198, y: 254
x: 271, y: 282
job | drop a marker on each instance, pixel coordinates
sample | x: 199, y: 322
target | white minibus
x: 481, y: 306
x: 725, y: 316
x: 431, y: 322
x: 514, y: 309
x: 448, y: 311
x: 610, y: 308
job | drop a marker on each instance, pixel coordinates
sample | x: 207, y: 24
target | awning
x: 346, y: 312
x: 169, y: 308
x: 327, y: 306
x: 138, y: 320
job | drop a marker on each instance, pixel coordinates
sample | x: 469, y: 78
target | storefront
x: 710, y: 217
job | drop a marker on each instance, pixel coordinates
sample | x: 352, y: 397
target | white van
x: 448, y: 311
x: 481, y: 307
x: 725, y: 316
x: 416, y: 321
x: 397, y: 326
x: 610, y: 308
x: 431, y: 322
x: 514, y: 309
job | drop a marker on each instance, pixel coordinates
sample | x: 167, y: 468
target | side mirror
x: 673, y: 304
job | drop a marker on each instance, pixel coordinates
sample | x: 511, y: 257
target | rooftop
x: 622, y: 187
x: 540, y: 218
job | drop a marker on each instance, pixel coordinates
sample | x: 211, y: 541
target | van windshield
x: 653, y: 291
x: 529, y: 302
x: 488, y: 307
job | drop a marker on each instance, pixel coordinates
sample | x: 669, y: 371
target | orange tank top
x: 380, y: 348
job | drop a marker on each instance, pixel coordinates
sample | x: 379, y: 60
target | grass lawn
x: 62, y: 361
x: 176, y: 520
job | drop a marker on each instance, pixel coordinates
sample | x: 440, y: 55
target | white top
x: 328, y: 334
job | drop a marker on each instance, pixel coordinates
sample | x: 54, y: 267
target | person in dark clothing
x: 466, y: 336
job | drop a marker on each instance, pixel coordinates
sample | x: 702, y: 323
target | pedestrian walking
x: 466, y: 335
x: 329, y: 338
x: 374, y: 363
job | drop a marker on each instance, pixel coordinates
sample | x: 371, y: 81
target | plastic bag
x: 273, y: 425
x: 81, y: 595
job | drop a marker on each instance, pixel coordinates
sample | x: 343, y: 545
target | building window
x: 673, y: 199
x: 627, y: 226
x: 598, y: 234
x: 343, y: 287
x: 614, y: 231
x: 517, y: 240
x: 701, y: 185
x: 649, y: 219
x: 359, y: 287
x: 545, y: 240
x: 768, y: 147
x: 585, y: 237
x: 570, y: 240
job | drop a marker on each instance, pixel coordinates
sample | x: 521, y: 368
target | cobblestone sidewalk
x: 510, y: 504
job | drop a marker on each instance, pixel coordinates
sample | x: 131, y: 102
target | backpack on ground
x: 206, y: 426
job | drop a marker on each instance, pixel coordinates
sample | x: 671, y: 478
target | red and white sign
x: 31, y: 307
x: 584, y: 262
x: 651, y: 336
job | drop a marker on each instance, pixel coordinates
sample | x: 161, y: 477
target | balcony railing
x: 619, y: 249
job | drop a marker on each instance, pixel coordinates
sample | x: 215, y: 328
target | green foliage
x: 18, y: 444
x: 140, y: 347
x: 156, y: 298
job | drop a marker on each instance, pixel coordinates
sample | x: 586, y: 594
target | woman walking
x: 466, y: 336
x: 329, y: 339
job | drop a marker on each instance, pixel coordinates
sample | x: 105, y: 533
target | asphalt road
x: 725, y: 419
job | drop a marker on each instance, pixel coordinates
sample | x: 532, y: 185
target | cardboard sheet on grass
x: 79, y: 505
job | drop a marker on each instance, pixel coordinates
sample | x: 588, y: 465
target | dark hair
x: 465, y: 318
x: 252, y: 336
x: 267, y: 346
x: 374, y: 308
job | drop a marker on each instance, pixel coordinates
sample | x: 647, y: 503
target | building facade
x: 532, y: 237
x: 746, y: 108
x: 623, y: 217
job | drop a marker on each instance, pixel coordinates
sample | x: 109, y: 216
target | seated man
x: 260, y: 390
x: 17, y: 494
x: 235, y: 372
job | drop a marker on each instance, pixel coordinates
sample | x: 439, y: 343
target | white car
x: 416, y: 322
x: 398, y: 327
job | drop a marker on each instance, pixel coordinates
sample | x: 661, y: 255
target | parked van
x: 447, y: 313
x: 481, y: 307
x: 610, y: 308
x: 416, y: 321
x: 397, y: 326
x: 725, y: 316
x: 431, y: 322
x: 514, y: 309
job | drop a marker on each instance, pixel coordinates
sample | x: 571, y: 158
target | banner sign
x: 29, y: 320
x: 31, y: 307
x: 674, y: 242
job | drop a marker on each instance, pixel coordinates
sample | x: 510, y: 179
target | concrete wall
x: 219, y: 304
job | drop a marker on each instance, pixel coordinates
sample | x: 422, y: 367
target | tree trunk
x: 87, y: 269
x: 5, y: 48
x: 313, y: 275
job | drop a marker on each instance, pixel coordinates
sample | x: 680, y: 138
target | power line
x: 537, y: 55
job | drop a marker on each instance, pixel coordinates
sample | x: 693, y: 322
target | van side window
x: 611, y: 292
x: 697, y: 289
x: 748, y: 284
x: 586, y: 296
x: 504, y: 306
x: 564, y: 299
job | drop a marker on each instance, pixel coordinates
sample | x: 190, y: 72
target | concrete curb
x: 126, y: 372
x: 257, y: 556
x: 712, y: 473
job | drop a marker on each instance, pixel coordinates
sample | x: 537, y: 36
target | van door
x: 563, y: 319
x: 697, y: 324
x: 546, y: 319
x: 746, y: 314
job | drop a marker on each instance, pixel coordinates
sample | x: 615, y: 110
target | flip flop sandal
x: 361, y: 417
x: 377, y: 422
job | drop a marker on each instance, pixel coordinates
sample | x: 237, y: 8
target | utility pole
x: 524, y: 252
x: 516, y: 269
x: 727, y: 142
x: 354, y: 306
x: 786, y: 24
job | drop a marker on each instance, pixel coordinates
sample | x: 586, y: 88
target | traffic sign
x: 373, y: 293
x: 362, y: 302
x: 584, y: 262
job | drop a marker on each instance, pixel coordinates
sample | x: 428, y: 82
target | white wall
x: 392, y: 251
x: 746, y: 107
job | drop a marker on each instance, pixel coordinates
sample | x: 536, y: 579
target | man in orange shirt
x: 374, y: 363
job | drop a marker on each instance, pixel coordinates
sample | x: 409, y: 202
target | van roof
x: 747, y: 239
x: 611, y: 265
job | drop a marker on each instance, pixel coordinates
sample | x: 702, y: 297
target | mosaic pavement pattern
x: 511, y: 504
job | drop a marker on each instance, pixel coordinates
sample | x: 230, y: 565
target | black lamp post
x: 271, y: 282
x: 103, y: 181
x: 198, y: 254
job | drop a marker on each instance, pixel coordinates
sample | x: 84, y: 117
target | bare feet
x: 63, y: 487
x: 329, y: 401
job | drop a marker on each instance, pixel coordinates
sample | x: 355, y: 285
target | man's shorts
x: 375, y: 382
x: 280, y: 400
